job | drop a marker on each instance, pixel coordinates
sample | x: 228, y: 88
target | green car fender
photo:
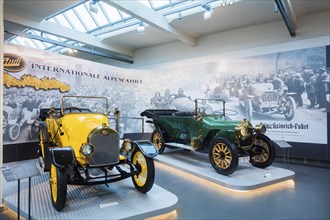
x: 228, y: 134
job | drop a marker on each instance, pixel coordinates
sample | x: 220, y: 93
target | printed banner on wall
x: 286, y: 91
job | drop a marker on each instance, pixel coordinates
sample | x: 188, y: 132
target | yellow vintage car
x: 63, y: 87
x: 33, y: 81
x: 78, y: 147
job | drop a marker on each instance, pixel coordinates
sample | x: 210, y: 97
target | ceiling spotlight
x: 208, y: 11
x: 179, y: 15
x: 70, y: 50
x: 141, y: 28
x: 208, y: 14
x: 231, y: 2
x: 275, y: 8
x: 223, y: 4
x: 93, y: 7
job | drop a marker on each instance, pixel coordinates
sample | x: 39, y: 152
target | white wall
x: 312, y: 31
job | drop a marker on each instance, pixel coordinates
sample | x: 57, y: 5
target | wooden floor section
x: 8, y: 214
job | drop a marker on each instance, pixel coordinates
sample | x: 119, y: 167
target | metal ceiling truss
x: 66, y: 45
x: 285, y: 8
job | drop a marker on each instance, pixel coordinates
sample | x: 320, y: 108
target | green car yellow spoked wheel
x: 145, y: 177
x: 263, y: 152
x: 58, y: 187
x: 223, y: 156
x: 157, y: 140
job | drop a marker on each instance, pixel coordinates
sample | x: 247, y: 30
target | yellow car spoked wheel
x: 223, y: 156
x: 58, y: 187
x: 157, y: 140
x: 44, y: 144
x: 144, y: 180
x: 263, y: 152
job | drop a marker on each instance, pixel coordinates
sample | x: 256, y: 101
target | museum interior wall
x: 312, y: 31
x: 237, y: 55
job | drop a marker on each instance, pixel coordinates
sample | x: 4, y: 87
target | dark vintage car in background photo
x: 225, y: 140
x: 11, y: 127
x: 264, y: 99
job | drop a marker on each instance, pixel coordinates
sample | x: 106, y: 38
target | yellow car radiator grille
x: 106, y: 149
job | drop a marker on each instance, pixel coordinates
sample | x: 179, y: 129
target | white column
x: 1, y: 92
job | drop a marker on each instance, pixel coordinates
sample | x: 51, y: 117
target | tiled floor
x: 307, y: 197
x: 117, y: 201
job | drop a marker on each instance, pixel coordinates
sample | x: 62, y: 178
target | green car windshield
x: 210, y: 106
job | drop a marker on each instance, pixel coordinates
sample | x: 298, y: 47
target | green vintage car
x: 224, y: 139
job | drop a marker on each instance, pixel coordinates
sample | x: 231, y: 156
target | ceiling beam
x: 290, y: 20
x: 151, y: 17
x: 61, y: 31
x: 82, y: 49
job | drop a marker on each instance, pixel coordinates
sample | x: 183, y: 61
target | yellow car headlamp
x: 86, y: 150
x: 126, y: 147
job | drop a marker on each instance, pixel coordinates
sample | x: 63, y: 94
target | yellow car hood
x: 77, y: 126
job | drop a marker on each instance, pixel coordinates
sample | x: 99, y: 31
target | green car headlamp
x: 243, y: 130
x: 260, y: 128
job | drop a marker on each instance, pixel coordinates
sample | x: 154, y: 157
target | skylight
x: 100, y: 20
x: 160, y: 3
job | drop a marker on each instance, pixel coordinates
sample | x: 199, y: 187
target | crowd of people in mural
x: 315, y: 83
x: 28, y: 101
x: 164, y: 102
x: 22, y: 105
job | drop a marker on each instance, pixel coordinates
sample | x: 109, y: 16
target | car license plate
x: 244, y: 159
x: 268, y: 104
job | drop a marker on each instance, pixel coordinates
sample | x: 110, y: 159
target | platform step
x: 184, y: 146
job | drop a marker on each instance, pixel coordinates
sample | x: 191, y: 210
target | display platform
x: 118, y: 201
x: 246, y: 177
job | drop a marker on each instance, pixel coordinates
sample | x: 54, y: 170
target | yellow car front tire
x: 58, y: 187
x: 144, y: 180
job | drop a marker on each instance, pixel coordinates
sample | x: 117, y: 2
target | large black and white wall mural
x: 287, y: 91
